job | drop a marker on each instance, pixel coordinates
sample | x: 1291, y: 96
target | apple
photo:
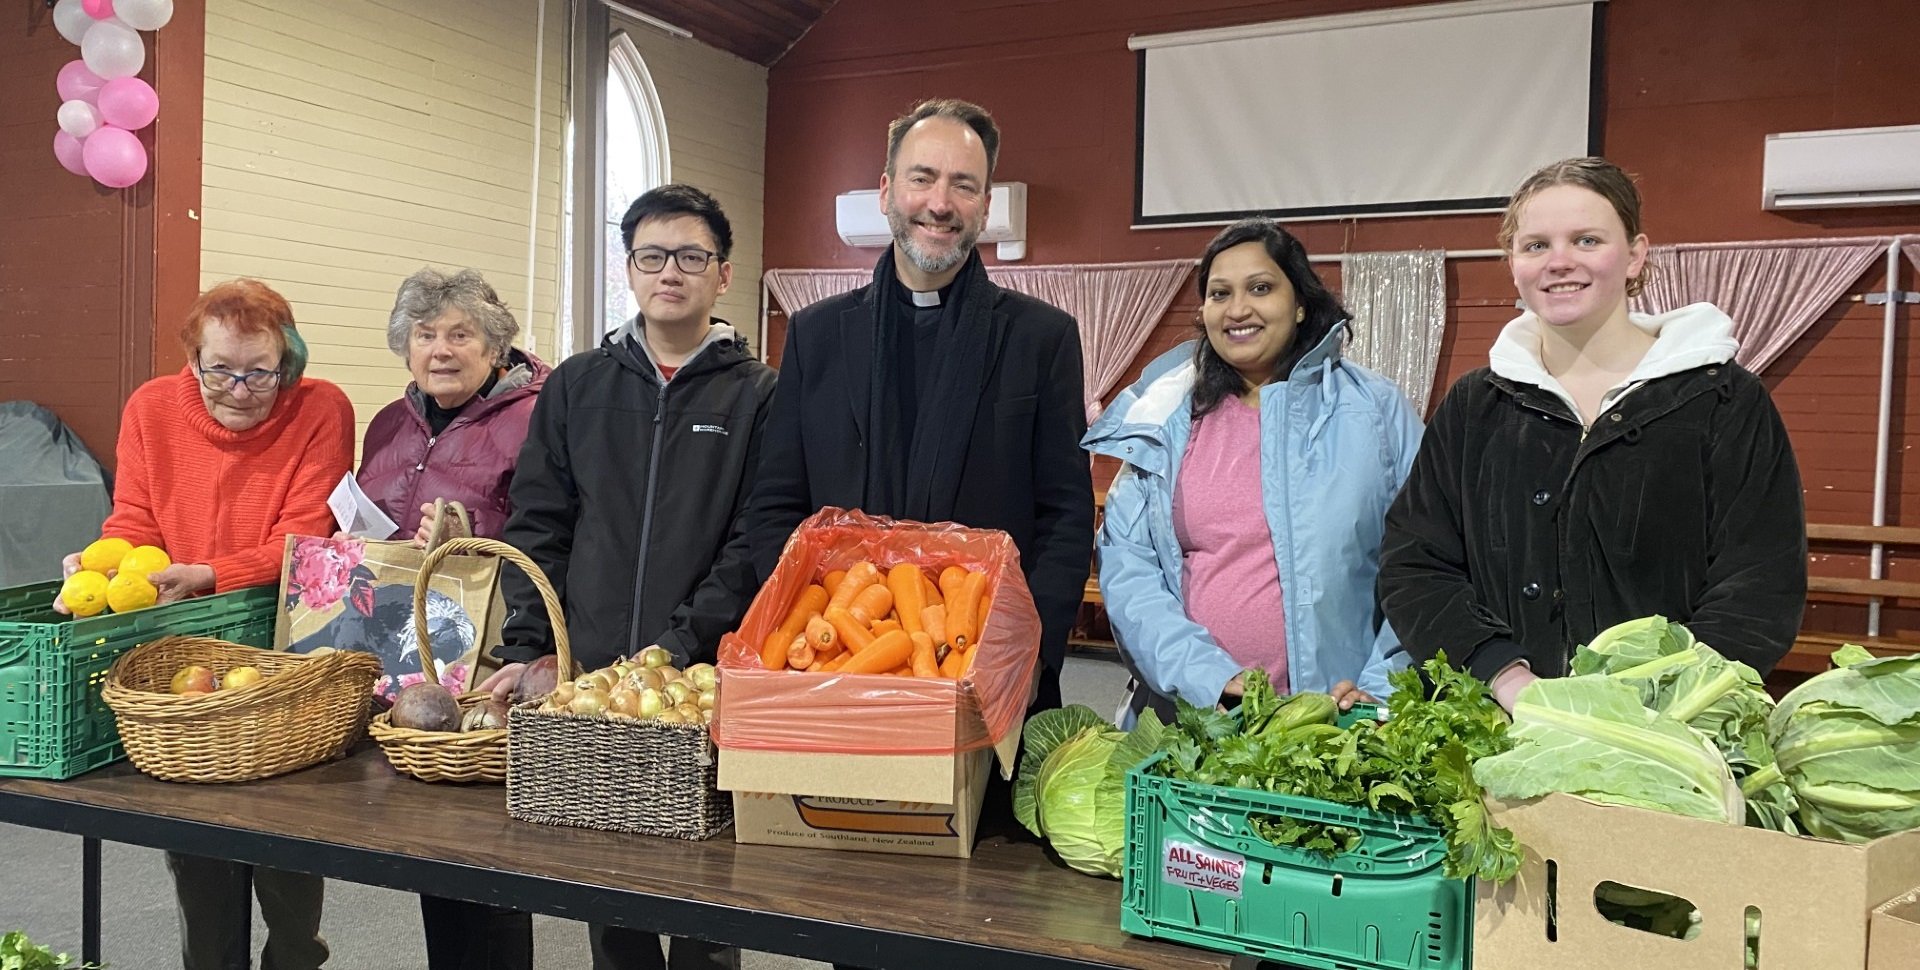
x: 194, y: 678
x: 240, y: 677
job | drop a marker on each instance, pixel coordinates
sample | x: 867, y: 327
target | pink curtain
x: 1773, y: 290
x: 1117, y: 305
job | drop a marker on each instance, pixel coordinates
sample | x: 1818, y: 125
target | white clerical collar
x: 927, y: 298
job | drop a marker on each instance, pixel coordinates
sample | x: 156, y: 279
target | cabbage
x: 1071, y: 786
x: 1848, y: 743
x: 1592, y: 736
x: 1085, y: 828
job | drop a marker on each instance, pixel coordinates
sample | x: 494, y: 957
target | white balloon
x: 71, y: 20
x: 144, y: 14
x: 112, y: 49
x: 78, y: 118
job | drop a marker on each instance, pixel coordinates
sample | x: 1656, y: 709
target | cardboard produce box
x: 1893, y: 935
x: 874, y: 762
x: 938, y: 819
x: 1814, y: 899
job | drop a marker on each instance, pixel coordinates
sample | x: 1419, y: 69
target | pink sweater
x: 1232, y: 579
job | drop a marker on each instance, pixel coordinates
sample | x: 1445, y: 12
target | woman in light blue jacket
x: 1244, y: 528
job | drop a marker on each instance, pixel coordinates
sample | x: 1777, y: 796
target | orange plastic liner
x: 790, y: 710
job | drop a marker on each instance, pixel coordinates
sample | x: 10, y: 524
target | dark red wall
x: 94, y: 281
x: 1690, y: 91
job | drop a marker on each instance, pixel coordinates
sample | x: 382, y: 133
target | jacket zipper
x: 646, y: 523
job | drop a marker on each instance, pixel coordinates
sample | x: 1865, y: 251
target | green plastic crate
x: 52, y: 721
x: 1196, y: 872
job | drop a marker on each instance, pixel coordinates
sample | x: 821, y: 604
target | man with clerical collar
x: 934, y: 395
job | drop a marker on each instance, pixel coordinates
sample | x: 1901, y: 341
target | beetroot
x: 426, y: 707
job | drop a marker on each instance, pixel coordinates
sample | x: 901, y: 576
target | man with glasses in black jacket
x: 631, y: 481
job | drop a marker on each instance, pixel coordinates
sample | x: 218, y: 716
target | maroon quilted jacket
x: 403, y: 465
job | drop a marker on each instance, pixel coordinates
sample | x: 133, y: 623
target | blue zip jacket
x: 1336, y: 443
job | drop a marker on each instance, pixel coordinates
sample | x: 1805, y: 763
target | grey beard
x: 922, y: 260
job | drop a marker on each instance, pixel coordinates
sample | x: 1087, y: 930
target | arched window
x: 636, y: 161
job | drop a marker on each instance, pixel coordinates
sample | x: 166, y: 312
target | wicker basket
x: 619, y: 774
x: 305, y: 710
x: 478, y: 756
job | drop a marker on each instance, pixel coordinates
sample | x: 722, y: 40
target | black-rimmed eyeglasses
x: 692, y: 260
x: 257, y: 381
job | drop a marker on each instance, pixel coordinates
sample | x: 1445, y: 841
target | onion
x: 652, y: 702
x: 704, y: 676
x: 655, y: 657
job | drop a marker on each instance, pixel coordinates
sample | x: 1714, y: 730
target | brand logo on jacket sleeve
x: 709, y: 429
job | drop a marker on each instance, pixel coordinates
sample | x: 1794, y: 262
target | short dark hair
x: 965, y: 112
x: 669, y: 201
x: 1217, y: 379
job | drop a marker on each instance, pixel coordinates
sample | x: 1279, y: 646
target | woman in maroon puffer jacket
x: 456, y: 432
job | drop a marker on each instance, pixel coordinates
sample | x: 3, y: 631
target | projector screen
x: 1433, y: 108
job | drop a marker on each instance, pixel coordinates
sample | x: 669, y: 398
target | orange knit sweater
x: 224, y: 498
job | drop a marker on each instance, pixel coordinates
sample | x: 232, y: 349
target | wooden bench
x: 1812, y: 650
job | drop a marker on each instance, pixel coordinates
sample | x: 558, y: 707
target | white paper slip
x: 356, y: 513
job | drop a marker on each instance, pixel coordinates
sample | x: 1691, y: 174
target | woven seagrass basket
x: 619, y: 774
x: 459, y: 756
x: 305, y: 710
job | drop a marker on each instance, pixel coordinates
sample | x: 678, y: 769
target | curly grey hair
x: 428, y: 293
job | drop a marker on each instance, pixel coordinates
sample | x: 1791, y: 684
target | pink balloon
x: 128, y: 102
x: 97, y: 9
x: 77, y: 82
x: 114, y: 157
x: 68, y: 150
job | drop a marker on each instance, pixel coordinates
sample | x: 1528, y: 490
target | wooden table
x: 1009, y: 907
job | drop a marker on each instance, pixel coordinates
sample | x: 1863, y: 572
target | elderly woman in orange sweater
x: 217, y: 465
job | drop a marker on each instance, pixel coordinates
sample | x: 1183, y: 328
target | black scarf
x: 438, y: 417
x: 914, y: 473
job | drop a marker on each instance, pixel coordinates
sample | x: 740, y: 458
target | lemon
x: 141, y: 560
x: 85, y: 593
x: 103, y: 555
x: 129, y: 590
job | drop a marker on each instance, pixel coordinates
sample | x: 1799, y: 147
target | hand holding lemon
x: 115, y: 574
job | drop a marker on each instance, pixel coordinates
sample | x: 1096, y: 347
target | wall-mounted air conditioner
x: 860, y: 222
x: 1847, y: 167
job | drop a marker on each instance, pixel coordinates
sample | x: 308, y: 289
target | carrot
x: 963, y: 611
x: 859, y: 576
x: 886, y: 626
x: 950, y: 667
x: 933, y: 620
x: 773, y: 654
x: 933, y: 596
x: 871, y: 604
x: 800, y: 654
x: 854, y: 635
x: 821, y: 635
x: 950, y: 580
x: 922, y: 660
x: 832, y: 580
x: 816, y: 665
x: 966, y: 663
x: 837, y: 662
x: 882, y: 655
x: 909, y: 594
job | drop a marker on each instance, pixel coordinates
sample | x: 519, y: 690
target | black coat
x: 626, y: 492
x: 1515, y: 539
x: 1023, y: 471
